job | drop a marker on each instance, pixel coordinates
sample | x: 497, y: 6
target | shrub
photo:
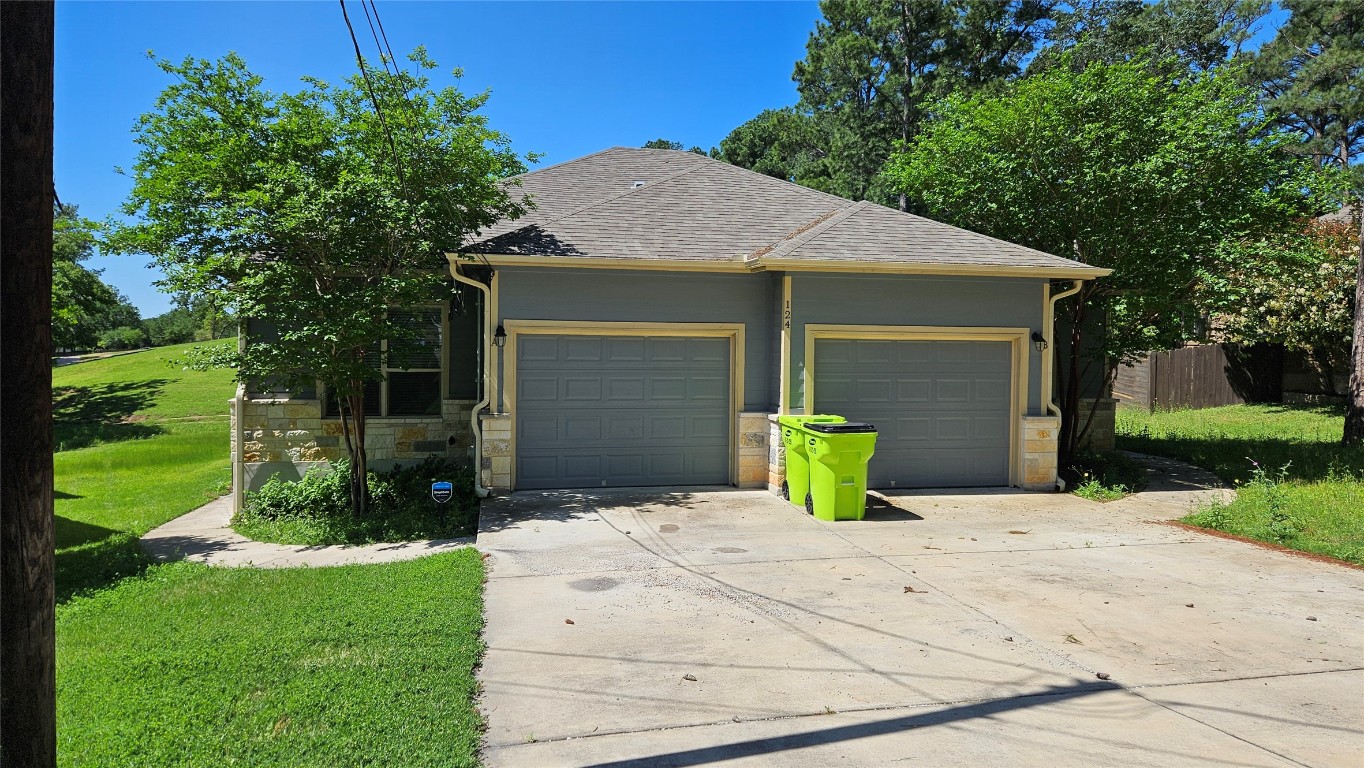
x: 124, y: 337
x: 316, y: 509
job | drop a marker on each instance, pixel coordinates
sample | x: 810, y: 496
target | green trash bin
x: 793, y: 436
x: 838, y: 455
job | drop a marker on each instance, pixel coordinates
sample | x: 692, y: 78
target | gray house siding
x: 925, y: 300
x: 608, y: 295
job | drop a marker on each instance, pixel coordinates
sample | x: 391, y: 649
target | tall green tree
x: 1182, y: 35
x: 1309, y: 76
x: 318, y: 211
x: 872, y: 67
x: 784, y: 143
x: 79, y: 296
x: 1116, y: 166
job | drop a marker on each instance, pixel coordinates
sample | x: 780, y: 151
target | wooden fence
x: 1203, y: 376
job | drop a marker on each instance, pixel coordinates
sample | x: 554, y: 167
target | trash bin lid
x: 840, y: 427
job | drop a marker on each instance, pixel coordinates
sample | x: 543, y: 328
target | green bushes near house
x: 1296, y: 485
x: 316, y: 509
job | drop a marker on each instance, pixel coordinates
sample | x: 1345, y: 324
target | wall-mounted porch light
x: 500, y: 337
x: 1038, y: 340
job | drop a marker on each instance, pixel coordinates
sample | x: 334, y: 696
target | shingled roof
x: 658, y: 205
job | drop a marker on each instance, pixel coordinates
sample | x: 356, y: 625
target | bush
x: 125, y: 337
x: 316, y: 509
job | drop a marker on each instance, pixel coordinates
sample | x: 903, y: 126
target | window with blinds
x: 411, y: 366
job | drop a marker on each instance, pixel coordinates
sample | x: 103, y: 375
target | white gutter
x: 1049, y: 330
x: 479, y: 490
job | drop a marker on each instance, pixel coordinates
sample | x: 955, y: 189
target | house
x: 645, y: 323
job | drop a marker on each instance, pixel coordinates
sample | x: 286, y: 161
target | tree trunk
x: 359, y: 458
x: 28, y: 730
x: 1354, y: 408
x: 907, y: 88
x: 1070, y: 403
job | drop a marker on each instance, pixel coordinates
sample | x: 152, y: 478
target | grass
x: 1297, y: 486
x: 134, y: 396
x: 139, y: 442
x: 348, y: 666
x: 183, y: 664
x: 1225, y: 440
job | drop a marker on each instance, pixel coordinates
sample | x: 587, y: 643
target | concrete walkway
x: 203, y: 536
x: 687, y: 627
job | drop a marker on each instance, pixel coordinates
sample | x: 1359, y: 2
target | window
x: 412, y: 370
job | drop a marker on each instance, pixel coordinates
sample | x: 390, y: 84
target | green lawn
x: 139, y: 442
x: 198, y: 666
x: 1297, y: 485
x: 182, y: 664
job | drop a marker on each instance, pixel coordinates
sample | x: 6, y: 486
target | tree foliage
x: 1309, y: 76
x: 193, y: 320
x: 315, y: 211
x: 1116, y: 166
x: 80, y: 298
x: 1295, y: 288
x: 872, y: 67
x: 783, y: 143
x: 669, y: 144
x: 1184, y: 35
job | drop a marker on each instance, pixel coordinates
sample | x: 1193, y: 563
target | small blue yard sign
x: 442, y: 491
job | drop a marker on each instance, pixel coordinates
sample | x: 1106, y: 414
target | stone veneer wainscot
x: 274, y: 435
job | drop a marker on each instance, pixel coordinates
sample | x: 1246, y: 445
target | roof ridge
x: 961, y: 231
x: 778, y: 179
x: 563, y: 163
x: 809, y: 230
x: 604, y: 200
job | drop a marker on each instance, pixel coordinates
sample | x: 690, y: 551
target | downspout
x: 238, y: 432
x: 238, y: 449
x: 1049, y: 330
x: 479, y: 490
x: 1048, y: 355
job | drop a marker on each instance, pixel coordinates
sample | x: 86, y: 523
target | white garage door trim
x: 1016, y: 337
x: 733, y: 331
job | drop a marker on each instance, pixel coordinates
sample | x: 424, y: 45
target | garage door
x: 598, y: 411
x: 942, y: 408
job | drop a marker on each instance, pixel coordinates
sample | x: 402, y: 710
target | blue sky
x: 567, y: 78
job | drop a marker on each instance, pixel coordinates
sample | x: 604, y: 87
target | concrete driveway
x: 697, y: 627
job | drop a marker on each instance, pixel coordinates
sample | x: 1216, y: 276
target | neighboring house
x: 646, y: 321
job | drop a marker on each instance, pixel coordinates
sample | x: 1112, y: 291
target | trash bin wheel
x: 809, y: 504
x: 785, y: 491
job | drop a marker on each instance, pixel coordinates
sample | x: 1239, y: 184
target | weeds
x: 1093, y: 489
x: 1104, y: 476
x: 1282, y: 526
